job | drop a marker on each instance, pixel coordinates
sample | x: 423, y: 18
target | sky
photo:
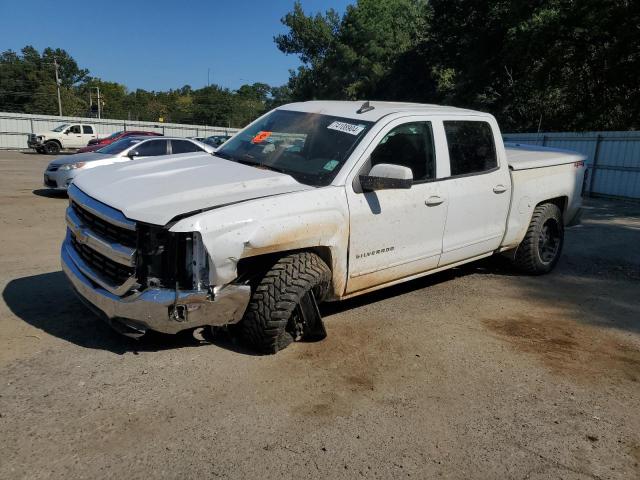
x: 162, y: 44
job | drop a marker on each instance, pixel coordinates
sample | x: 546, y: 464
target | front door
x: 397, y: 233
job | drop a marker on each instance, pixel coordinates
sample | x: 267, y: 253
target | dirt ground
x: 472, y: 373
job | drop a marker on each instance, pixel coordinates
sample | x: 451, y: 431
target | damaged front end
x: 143, y: 277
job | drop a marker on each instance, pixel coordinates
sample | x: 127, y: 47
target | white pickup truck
x: 64, y: 137
x: 314, y: 201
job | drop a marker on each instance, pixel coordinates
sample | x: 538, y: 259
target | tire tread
x: 277, y: 295
x: 526, y: 257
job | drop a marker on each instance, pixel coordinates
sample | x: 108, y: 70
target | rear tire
x: 52, y: 148
x: 541, y: 247
x: 269, y: 323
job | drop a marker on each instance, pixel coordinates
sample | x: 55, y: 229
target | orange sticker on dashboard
x: 261, y: 137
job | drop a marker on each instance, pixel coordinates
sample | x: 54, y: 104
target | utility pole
x: 99, y: 106
x: 55, y: 64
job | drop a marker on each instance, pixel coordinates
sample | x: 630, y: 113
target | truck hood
x: 156, y: 190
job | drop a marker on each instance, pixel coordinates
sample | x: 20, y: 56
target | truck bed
x: 525, y: 157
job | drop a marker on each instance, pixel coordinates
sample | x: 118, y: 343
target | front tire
x: 271, y: 321
x: 52, y: 148
x: 541, y: 247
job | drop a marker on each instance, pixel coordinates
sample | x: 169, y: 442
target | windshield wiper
x: 245, y: 161
x: 260, y: 165
x: 224, y: 155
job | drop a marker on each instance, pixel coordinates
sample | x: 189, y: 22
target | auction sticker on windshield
x: 261, y: 137
x: 349, y: 128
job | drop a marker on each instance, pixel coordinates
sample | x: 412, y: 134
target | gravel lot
x: 472, y: 373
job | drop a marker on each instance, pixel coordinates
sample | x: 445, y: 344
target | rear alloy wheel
x: 52, y: 148
x: 541, y: 247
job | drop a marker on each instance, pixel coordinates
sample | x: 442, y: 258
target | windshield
x: 60, y: 128
x: 119, y: 146
x: 115, y: 134
x: 308, y: 146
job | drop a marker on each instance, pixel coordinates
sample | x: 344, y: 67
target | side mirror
x: 386, y: 176
x: 66, y: 132
x: 133, y: 154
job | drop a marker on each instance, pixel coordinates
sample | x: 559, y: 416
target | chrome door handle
x: 433, y: 201
x: 499, y: 189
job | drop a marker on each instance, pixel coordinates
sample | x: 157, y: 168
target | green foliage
x: 348, y: 58
x: 545, y: 64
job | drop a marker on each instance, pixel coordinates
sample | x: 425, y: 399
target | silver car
x: 61, y: 171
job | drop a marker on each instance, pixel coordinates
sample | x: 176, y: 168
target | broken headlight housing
x: 172, y: 260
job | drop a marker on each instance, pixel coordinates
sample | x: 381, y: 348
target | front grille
x: 53, y: 168
x: 106, y: 230
x: 102, y: 236
x: 114, y: 272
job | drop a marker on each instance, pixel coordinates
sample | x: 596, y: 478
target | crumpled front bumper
x: 34, y: 142
x: 156, y: 309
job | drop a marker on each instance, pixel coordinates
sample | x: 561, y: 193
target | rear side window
x: 184, y: 146
x: 87, y: 129
x: 152, y: 148
x: 471, y: 147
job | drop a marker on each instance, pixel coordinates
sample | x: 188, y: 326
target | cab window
x: 87, y: 129
x: 409, y: 145
x: 471, y: 147
x: 74, y: 129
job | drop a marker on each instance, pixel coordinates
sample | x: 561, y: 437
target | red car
x: 103, y: 142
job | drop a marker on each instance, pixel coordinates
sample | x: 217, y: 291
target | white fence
x: 15, y: 127
x: 613, y: 158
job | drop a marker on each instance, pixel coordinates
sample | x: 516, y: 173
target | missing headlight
x: 172, y: 260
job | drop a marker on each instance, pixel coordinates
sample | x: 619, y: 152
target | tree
x: 27, y: 81
x: 548, y: 64
x: 544, y: 64
x: 348, y: 57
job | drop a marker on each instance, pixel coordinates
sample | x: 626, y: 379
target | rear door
x: 88, y: 133
x: 478, y: 189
